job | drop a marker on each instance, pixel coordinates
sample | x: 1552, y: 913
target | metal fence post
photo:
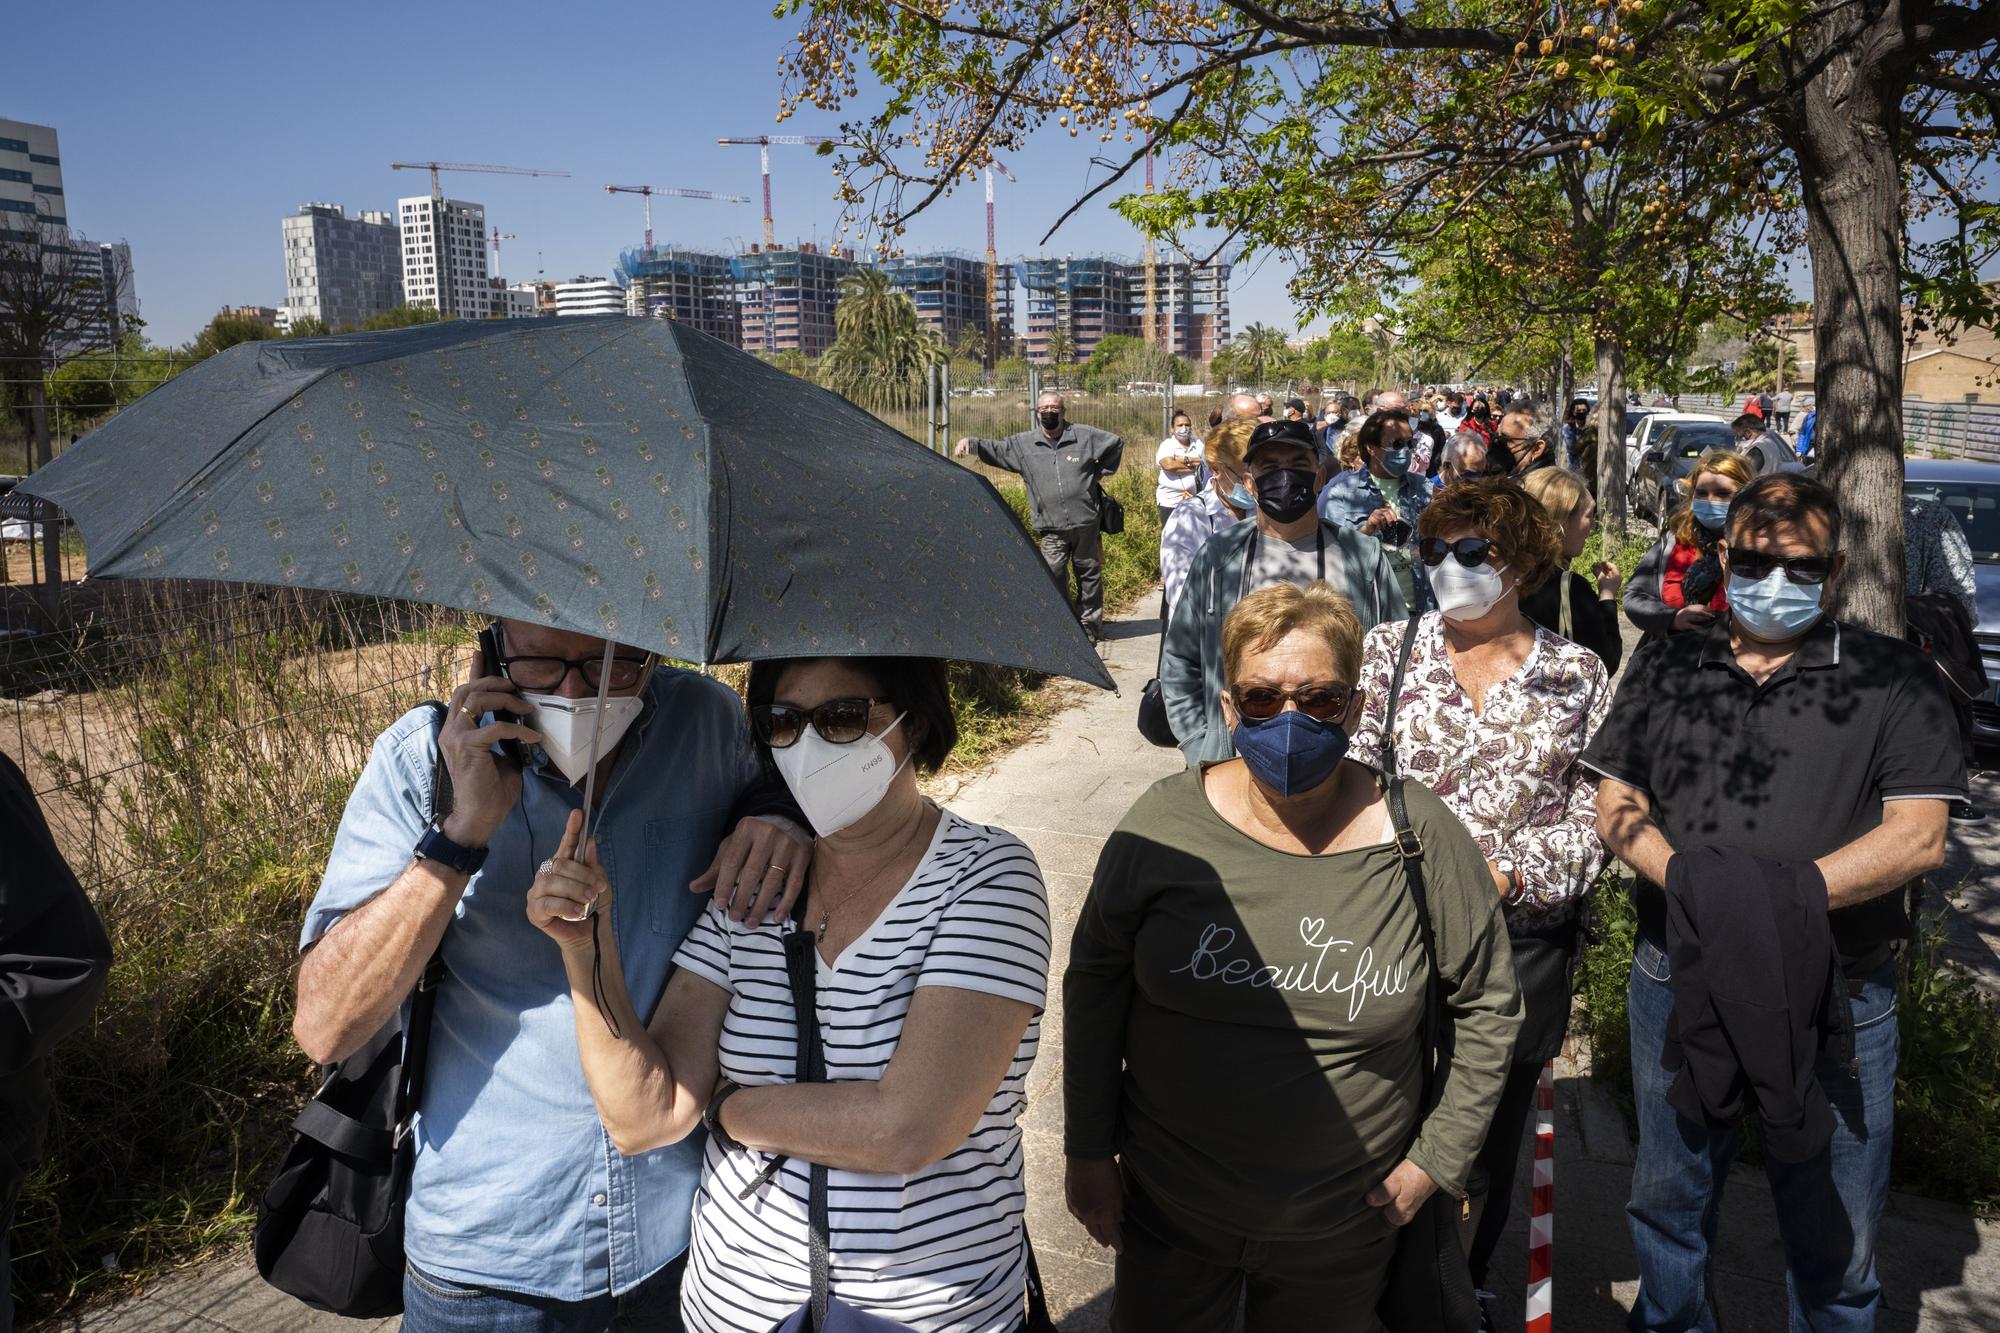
x: 930, y: 408
x: 944, y: 407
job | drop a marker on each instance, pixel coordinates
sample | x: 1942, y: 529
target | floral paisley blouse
x: 1510, y: 774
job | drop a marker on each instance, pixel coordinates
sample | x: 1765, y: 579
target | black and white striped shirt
x: 942, y: 1250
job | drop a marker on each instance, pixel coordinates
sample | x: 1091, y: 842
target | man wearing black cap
x: 1295, y: 409
x: 1286, y: 542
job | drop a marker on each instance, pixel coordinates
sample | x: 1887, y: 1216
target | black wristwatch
x: 434, y: 846
x: 711, y: 1118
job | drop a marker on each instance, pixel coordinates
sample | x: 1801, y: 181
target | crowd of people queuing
x: 1406, y: 765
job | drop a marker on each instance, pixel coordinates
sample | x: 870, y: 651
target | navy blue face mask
x: 1291, y: 752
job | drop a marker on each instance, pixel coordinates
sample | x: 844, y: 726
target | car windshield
x: 1694, y: 441
x: 1976, y: 506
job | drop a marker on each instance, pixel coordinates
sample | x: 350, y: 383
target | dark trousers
x: 432, y: 1304
x: 1082, y: 548
x: 1174, y: 1277
x: 1497, y: 1163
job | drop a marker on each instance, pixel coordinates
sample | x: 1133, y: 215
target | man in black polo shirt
x: 1787, y: 734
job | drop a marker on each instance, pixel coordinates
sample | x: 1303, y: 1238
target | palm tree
x: 880, y: 358
x: 1768, y: 363
x: 1260, y: 352
x: 1061, y: 350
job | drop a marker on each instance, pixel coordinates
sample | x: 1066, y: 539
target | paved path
x: 1063, y: 793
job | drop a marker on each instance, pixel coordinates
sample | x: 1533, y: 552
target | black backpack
x: 330, y: 1226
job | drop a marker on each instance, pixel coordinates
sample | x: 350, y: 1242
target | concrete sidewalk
x: 1063, y: 793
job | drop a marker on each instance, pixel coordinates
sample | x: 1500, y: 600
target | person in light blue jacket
x: 1381, y: 499
x: 1286, y: 541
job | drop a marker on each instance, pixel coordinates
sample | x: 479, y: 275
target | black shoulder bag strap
x: 417, y: 1037
x: 1388, y: 750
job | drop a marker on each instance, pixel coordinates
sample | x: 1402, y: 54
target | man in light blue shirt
x: 521, y: 1213
x: 1383, y: 499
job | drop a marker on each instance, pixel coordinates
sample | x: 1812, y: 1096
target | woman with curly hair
x: 1491, y: 713
x: 1679, y: 585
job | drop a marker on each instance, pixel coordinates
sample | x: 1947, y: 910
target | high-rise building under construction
x: 686, y: 286
x: 787, y: 297
x: 949, y: 292
x: 1089, y: 298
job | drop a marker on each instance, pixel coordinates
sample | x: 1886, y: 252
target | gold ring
x: 775, y: 866
x: 463, y: 709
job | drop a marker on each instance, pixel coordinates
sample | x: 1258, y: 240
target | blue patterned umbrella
x: 629, y: 478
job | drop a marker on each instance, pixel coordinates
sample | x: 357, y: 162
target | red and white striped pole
x: 1542, y: 1218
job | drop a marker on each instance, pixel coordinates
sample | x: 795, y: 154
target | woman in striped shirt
x: 932, y: 938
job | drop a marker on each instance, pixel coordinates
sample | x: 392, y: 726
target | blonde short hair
x: 1225, y: 443
x: 1258, y: 622
x: 1558, y: 490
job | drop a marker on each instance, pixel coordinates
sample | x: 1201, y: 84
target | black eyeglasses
x: 1321, y: 702
x: 1468, y: 551
x: 839, y: 721
x: 545, y: 673
x: 1756, y: 566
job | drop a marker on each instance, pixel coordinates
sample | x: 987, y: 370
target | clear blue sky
x: 191, y: 130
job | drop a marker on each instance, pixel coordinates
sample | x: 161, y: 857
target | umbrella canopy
x: 622, y: 477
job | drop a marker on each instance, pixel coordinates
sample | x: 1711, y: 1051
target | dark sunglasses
x: 1756, y: 566
x: 546, y: 673
x: 839, y: 721
x: 1468, y: 551
x: 1261, y: 703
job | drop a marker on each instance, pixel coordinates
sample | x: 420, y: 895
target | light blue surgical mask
x: 1711, y: 514
x: 1242, y: 499
x: 1774, y: 608
x: 1396, y: 462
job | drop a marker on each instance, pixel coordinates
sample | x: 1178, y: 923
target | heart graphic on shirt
x: 1311, y: 928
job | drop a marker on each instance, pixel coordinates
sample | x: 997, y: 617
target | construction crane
x: 647, y: 192
x: 763, y: 143
x: 439, y: 232
x: 993, y: 164
x: 497, y: 237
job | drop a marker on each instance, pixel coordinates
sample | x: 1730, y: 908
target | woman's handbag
x: 822, y: 1313
x: 1153, y: 722
x: 1110, y: 511
x: 330, y: 1225
x: 1430, y: 1285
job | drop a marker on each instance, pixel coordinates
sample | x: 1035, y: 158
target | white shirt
x: 1187, y: 528
x: 1170, y: 488
x: 942, y: 1250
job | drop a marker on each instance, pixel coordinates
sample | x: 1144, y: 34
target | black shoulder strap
x: 802, y: 970
x: 1411, y: 848
x: 1388, y: 752
x: 417, y: 1036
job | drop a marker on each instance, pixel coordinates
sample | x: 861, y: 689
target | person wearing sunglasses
x: 1243, y: 1007
x: 1516, y: 449
x: 1384, y: 497
x: 1678, y: 585
x: 517, y: 1205
x: 1800, y: 761
x: 1287, y: 542
x: 930, y: 939
x: 1493, y: 715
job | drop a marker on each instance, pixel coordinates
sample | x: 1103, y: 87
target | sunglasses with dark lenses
x: 1468, y: 551
x: 546, y: 673
x: 839, y: 721
x: 1756, y: 566
x: 1261, y: 703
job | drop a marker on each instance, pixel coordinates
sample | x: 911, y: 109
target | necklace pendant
x: 824, y: 914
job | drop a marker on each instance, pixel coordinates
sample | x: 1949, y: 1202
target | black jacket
x: 1758, y: 995
x: 1593, y: 621
x: 53, y: 961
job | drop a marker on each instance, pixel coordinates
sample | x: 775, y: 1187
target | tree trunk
x: 1845, y: 132
x: 38, y: 419
x: 1611, y: 442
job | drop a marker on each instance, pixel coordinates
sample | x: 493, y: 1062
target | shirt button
x: 598, y: 1198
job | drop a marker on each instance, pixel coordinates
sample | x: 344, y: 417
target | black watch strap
x: 711, y: 1118
x: 434, y: 846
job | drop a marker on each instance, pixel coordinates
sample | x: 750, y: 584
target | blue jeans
x: 1828, y: 1208
x: 432, y: 1304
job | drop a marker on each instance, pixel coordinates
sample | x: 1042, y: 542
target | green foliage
x: 1601, y: 977
x: 222, y: 334
x: 403, y: 317
x: 880, y: 356
x: 102, y: 381
x: 1626, y: 555
x: 308, y: 326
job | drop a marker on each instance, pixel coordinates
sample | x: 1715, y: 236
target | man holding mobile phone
x: 1381, y: 498
x: 520, y: 1213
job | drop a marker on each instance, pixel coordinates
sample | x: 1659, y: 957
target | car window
x: 1693, y: 439
x: 1976, y: 506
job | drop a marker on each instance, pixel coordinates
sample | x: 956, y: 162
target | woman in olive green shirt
x: 1243, y: 1003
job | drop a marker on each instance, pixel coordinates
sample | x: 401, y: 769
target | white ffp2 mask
x: 569, y: 725
x: 837, y: 785
x: 1465, y: 594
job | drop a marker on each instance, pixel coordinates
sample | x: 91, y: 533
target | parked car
x: 1659, y: 483
x: 1971, y: 491
x: 1646, y: 432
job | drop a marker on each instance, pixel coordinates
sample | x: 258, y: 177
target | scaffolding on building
x: 686, y: 286
x: 949, y: 290
x: 1092, y: 297
x: 787, y: 297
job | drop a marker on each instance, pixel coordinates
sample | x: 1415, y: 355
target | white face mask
x: 837, y: 785
x: 1465, y: 594
x: 569, y: 725
x: 1183, y: 433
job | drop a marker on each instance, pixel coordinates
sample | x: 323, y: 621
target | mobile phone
x: 489, y: 665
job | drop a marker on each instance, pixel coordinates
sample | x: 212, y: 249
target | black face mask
x: 1500, y: 460
x: 1051, y: 422
x: 1285, y: 494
